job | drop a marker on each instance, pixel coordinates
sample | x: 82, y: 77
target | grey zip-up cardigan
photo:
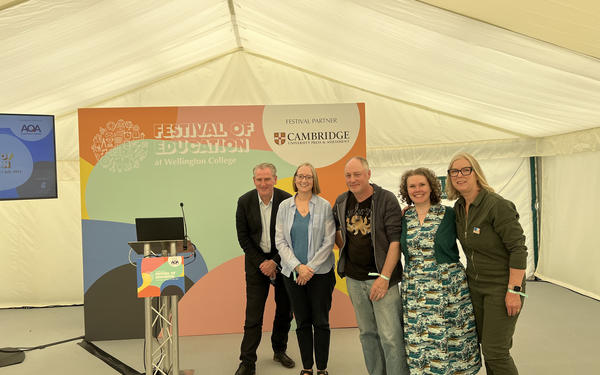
x: 386, y: 227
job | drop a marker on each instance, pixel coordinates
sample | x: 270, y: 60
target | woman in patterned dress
x: 439, y: 325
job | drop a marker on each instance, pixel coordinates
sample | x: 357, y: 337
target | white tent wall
x: 510, y: 177
x: 50, y: 267
x: 43, y: 238
x: 41, y: 246
x: 569, y: 247
x: 434, y: 83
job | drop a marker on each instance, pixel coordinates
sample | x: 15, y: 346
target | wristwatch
x: 516, y: 289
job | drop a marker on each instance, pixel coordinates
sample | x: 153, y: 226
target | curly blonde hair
x: 435, y: 196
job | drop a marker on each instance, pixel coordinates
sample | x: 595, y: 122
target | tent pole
x: 534, y: 206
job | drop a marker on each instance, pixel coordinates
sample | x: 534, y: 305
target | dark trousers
x: 257, y: 290
x: 494, y: 327
x: 311, y: 304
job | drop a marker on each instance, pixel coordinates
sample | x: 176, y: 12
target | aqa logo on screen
x: 30, y: 129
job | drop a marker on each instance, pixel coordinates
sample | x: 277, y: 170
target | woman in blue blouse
x: 305, y: 233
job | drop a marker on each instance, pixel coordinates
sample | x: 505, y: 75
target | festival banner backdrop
x: 144, y: 162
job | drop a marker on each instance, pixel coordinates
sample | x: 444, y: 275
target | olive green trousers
x: 494, y: 327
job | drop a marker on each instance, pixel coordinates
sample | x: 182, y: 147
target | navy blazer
x: 249, y: 228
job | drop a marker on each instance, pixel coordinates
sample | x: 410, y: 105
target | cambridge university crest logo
x: 279, y: 138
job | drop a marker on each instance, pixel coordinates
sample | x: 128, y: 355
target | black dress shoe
x: 245, y: 369
x: 283, y: 358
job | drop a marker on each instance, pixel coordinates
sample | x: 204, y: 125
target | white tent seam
x: 150, y: 83
x: 234, y: 24
x: 420, y: 106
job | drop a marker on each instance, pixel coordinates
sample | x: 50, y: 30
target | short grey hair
x: 362, y: 161
x: 263, y: 166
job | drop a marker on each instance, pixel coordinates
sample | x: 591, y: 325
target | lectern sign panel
x: 160, y: 276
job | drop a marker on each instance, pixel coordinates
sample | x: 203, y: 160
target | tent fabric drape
x: 569, y: 253
x: 508, y: 176
x: 434, y: 83
x: 63, y: 54
x: 56, y: 235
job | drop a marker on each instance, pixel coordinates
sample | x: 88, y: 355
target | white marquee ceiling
x: 572, y: 24
x: 58, y: 55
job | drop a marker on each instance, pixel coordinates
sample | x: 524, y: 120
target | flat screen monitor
x: 159, y: 228
x: 27, y: 157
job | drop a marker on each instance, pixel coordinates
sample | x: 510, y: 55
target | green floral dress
x: 439, y: 325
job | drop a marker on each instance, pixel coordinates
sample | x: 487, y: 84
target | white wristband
x: 380, y: 275
x: 515, y: 292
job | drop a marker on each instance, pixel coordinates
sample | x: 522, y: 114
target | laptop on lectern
x: 159, y: 228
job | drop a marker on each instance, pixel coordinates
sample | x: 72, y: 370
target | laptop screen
x: 159, y: 228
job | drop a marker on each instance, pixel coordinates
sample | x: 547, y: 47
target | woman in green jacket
x: 493, y: 241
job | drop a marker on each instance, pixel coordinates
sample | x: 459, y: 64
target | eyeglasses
x: 466, y: 171
x: 304, y: 177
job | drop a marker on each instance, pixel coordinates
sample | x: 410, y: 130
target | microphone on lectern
x: 185, y: 236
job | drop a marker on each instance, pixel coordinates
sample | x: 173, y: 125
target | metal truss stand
x: 161, y: 353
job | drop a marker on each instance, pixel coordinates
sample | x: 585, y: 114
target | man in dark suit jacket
x: 256, y: 210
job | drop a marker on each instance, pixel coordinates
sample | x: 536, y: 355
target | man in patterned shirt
x: 368, y: 220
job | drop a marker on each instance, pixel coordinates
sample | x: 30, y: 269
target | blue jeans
x: 380, y: 326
